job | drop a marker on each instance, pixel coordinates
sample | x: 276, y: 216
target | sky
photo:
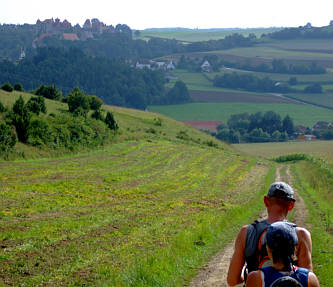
x: 203, y: 14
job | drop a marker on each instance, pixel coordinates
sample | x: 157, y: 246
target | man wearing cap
x: 250, y: 243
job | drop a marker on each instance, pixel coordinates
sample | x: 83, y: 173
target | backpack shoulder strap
x: 252, y: 250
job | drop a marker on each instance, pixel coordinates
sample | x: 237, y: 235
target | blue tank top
x: 270, y: 275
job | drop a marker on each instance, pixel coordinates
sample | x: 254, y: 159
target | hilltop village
x: 64, y: 30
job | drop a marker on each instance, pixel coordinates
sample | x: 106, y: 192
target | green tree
x: 7, y: 87
x: 111, y: 122
x: 2, y: 108
x: 36, y: 105
x: 49, y: 92
x: 288, y: 125
x: 292, y: 81
x: 315, y: 89
x: 95, y: 103
x: 78, y: 102
x: 97, y: 115
x: 179, y: 94
x: 39, y: 132
x: 18, y: 87
x: 20, y: 118
x: 8, y: 139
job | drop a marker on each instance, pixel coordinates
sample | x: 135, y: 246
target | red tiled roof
x: 71, y: 37
x: 205, y: 125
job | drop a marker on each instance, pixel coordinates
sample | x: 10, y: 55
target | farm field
x: 274, y: 53
x: 301, y: 114
x: 322, y: 149
x: 195, y: 35
x: 301, y: 79
x: 324, y: 99
x: 137, y: 213
x: 319, y: 45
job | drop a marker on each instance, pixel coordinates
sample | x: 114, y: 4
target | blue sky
x: 140, y: 14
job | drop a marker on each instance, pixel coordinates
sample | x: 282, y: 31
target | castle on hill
x: 50, y: 27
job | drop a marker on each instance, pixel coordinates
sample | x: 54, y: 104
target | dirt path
x: 301, y: 212
x: 214, y: 273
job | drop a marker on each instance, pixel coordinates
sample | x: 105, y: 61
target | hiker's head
x: 281, y: 239
x: 280, y: 194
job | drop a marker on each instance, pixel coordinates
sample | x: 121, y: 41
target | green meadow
x: 301, y: 114
x: 136, y: 213
x: 267, y: 52
x: 195, y: 35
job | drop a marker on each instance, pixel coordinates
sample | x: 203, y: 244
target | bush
x: 95, y: 103
x: 39, y: 132
x: 20, y: 117
x: 8, y: 139
x: 36, y: 105
x: 49, y: 92
x: 97, y: 115
x: 7, y: 87
x: 77, y: 100
x: 18, y: 87
x: 291, y: 157
x: 111, y: 122
x: 2, y: 108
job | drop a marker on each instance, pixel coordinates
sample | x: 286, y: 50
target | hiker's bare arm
x: 304, y: 248
x: 313, y: 280
x: 237, y: 261
x: 253, y: 279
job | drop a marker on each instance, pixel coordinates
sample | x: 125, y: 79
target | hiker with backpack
x: 281, y: 240
x: 250, y: 244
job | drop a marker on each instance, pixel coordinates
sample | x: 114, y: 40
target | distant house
x: 300, y: 130
x: 170, y: 66
x: 22, y: 54
x: 306, y: 137
x: 322, y: 125
x: 70, y: 37
x: 206, y: 67
x: 142, y: 66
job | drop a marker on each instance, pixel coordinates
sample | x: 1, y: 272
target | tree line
x: 302, y: 32
x: 258, y: 127
x: 250, y: 82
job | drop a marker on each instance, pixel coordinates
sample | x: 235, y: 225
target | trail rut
x: 214, y: 273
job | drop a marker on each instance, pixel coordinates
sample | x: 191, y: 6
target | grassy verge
x: 315, y: 186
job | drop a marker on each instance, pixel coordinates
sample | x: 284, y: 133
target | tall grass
x: 316, y: 187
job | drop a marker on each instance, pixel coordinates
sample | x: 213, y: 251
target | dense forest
x: 113, y: 81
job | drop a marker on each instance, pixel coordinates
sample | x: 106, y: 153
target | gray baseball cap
x: 281, y: 189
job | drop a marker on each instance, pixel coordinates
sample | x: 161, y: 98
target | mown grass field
x: 137, y: 213
x: 301, y: 114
